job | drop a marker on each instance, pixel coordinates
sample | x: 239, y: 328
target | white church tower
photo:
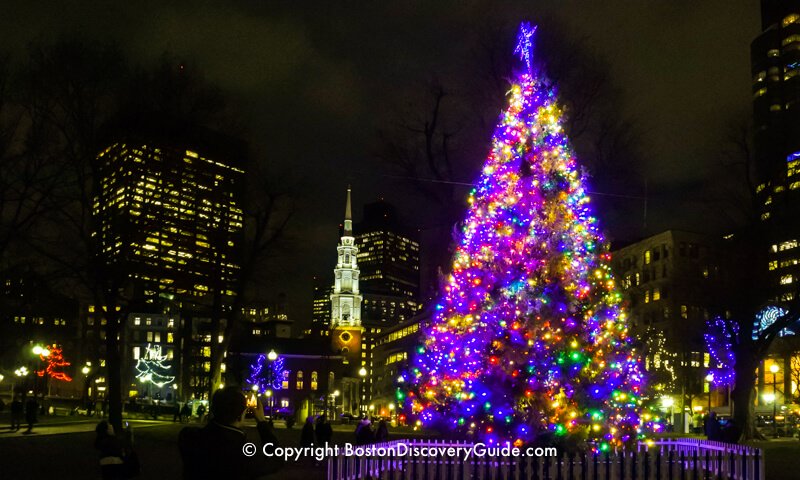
x: 346, y: 299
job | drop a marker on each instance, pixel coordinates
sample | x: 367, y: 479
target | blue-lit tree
x: 737, y: 347
x: 267, y: 374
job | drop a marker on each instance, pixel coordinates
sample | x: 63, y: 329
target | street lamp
x: 667, y: 403
x: 774, y: 368
x: 268, y: 393
x: 271, y: 356
x: 361, y: 373
x: 709, y: 379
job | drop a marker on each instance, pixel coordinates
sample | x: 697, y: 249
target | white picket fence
x: 672, y: 459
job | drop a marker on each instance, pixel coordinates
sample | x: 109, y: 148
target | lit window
x: 656, y: 294
x: 299, y: 379
x: 786, y: 279
x: 136, y: 353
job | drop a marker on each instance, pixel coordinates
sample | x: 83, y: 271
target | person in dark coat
x: 307, y: 434
x: 17, y: 409
x: 109, y: 448
x: 31, y: 411
x: 364, y: 434
x: 382, y: 433
x: 218, y: 450
x: 323, y: 431
x: 186, y: 412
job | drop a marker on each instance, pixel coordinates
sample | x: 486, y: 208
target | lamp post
x: 668, y: 402
x: 709, y: 379
x: 85, y: 371
x: 268, y: 393
x: 774, y: 368
x: 362, y: 373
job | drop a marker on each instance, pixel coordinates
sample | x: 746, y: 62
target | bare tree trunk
x: 743, y: 396
x: 113, y: 369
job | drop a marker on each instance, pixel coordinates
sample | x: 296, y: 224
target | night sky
x: 316, y: 81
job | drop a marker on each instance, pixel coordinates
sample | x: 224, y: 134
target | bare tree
x: 268, y: 210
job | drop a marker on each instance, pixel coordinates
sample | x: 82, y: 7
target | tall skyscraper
x: 346, y: 298
x: 169, y: 208
x: 775, y: 57
x: 388, y: 258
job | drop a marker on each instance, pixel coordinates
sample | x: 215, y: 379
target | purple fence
x: 678, y: 459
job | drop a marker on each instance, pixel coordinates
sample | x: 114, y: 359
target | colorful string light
x: 529, y: 338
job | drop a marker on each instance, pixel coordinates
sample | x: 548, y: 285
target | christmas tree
x: 529, y: 340
x: 55, y: 364
x: 152, y: 367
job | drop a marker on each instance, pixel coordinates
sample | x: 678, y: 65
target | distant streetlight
x: 21, y: 372
x: 774, y: 368
x: 271, y: 356
x: 254, y: 388
x: 401, y: 379
x: 363, y: 372
x: 268, y: 393
x: 336, y: 393
x: 85, y: 370
x: 37, y: 350
x: 709, y: 379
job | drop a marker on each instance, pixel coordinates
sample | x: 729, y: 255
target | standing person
x: 382, y: 433
x: 186, y: 412
x: 201, y: 412
x: 16, y: 413
x: 364, y: 434
x: 176, y: 413
x: 31, y: 410
x: 323, y: 430
x: 307, y: 434
x: 219, y: 449
x: 109, y: 448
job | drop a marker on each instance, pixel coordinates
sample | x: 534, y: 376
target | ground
x: 61, y: 447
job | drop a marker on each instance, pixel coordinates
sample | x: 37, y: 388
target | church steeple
x: 346, y: 298
x: 348, y: 216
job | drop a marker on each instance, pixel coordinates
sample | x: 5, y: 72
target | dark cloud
x: 316, y: 80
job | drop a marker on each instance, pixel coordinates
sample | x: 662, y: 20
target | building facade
x: 668, y: 280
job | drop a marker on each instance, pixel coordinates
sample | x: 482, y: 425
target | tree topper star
x: 525, y: 43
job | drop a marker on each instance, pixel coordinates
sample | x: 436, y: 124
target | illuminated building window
x: 285, y: 380
x: 647, y: 257
x: 790, y: 19
x: 760, y: 92
x: 149, y: 336
x: 684, y: 312
x: 786, y: 279
x: 136, y: 353
x: 299, y: 380
x: 787, y: 245
x: 656, y: 294
x: 313, y: 380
